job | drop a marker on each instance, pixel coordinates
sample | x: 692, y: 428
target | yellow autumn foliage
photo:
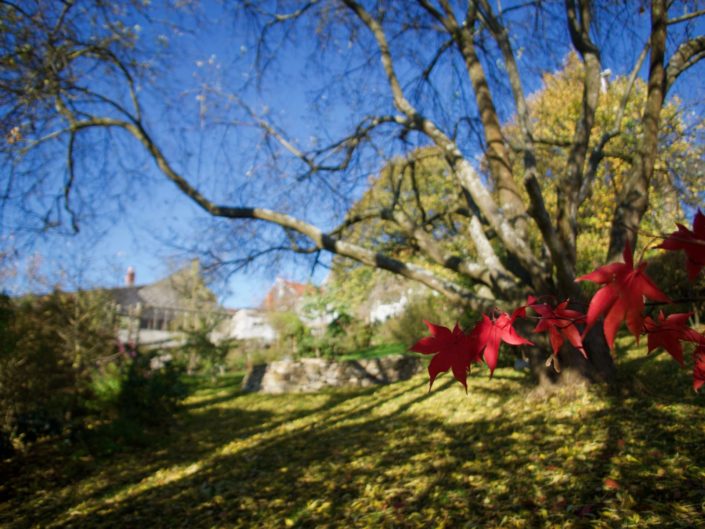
x: 678, y: 173
x: 421, y: 186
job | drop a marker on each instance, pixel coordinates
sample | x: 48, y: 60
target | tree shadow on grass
x: 373, y: 473
x: 379, y: 458
x: 46, y: 481
x: 39, y: 491
x: 233, y: 393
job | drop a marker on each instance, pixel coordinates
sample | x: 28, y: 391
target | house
x: 254, y: 323
x: 388, y: 297
x: 291, y: 296
x: 381, y: 312
x: 285, y: 295
x: 156, y: 310
x: 246, y: 324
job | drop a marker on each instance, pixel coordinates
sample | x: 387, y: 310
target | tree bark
x: 570, y: 183
x: 634, y: 198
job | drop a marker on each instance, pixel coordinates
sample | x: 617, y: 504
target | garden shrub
x: 60, y: 369
x: 49, y: 347
x: 148, y: 395
x: 407, y: 327
x: 105, y: 386
x: 293, y: 338
x: 201, y: 354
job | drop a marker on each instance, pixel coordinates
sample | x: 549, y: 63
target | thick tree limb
x: 579, y: 20
x: 598, y: 152
x: 684, y: 57
x: 537, y: 207
x: 496, y: 153
x: 434, y: 251
x: 465, y: 173
x: 634, y: 198
x: 321, y: 240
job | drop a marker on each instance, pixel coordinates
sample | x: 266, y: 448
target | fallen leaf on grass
x: 609, y: 483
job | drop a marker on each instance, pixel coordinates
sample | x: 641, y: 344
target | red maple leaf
x: 667, y: 332
x: 691, y: 242
x: 699, y: 365
x: 622, y: 297
x: 454, y: 350
x: 560, y: 324
x: 490, y: 332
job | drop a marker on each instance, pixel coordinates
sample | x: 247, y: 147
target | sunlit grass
x: 503, y: 455
x: 376, y: 351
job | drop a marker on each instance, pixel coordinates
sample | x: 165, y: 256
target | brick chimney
x: 130, y: 277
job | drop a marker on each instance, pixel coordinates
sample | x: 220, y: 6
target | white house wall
x: 249, y: 324
x: 383, y: 311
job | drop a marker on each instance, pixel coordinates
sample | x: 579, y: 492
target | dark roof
x: 125, y: 296
x: 182, y: 290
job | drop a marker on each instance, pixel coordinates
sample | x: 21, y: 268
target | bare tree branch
x: 68, y: 186
x: 598, y: 152
x: 686, y: 17
x: 687, y: 54
x: 466, y: 174
x: 579, y: 21
x: 434, y: 251
x: 634, y: 198
x: 321, y: 240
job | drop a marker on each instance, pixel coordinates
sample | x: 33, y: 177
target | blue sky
x: 154, y: 228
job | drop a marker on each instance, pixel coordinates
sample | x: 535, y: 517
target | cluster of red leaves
x: 668, y: 332
x: 560, y: 324
x: 691, y: 242
x: 621, y: 299
x: 453, y: 350
x: 622, y: 296
x: 457, y: 350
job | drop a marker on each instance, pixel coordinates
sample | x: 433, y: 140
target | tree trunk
x: 599, y: 367
x: 634, y: 199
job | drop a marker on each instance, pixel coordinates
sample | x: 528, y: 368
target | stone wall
x: 313, y: 374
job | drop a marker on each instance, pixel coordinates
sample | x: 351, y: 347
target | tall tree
x: 77, y: 74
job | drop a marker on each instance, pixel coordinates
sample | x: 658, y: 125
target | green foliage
x: 407, y: 327
x: 246, y: 353
x: 293, y: 338
x: 49, y: 351
x: 201, y: 354
x: 677, y: 172
x: 105, y: 386
x: 375, y: 351
x: 417, y: 186
x: 415, y: 190
x: 150, y: 395
x: 304, y: 332
x: 134, y: 399
x: 344, y: 335
x: 60, y: 371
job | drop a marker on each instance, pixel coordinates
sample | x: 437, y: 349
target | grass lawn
x: 504, y: 455
x: 376, y: 351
